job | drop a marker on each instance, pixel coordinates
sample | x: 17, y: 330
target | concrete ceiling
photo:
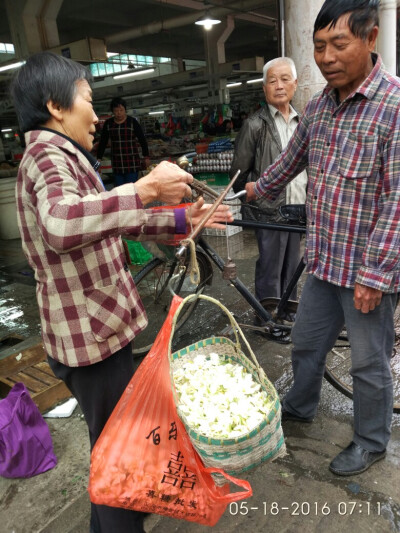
x: 159, y: 28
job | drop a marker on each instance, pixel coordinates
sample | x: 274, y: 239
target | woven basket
x: 266, y: 441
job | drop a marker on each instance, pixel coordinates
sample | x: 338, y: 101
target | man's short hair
x: 117, y: 101
x: 364, y: 15
x: 274, y: 62
x: 45, y: 76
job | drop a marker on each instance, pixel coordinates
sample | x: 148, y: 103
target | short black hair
x: 45, y: 76
x: 364, y: 15
x: 115, y: 102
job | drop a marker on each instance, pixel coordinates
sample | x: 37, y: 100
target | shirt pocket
x: 108, y: 310
x: 358, y: 157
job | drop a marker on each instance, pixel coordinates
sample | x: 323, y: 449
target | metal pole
x: 387, y: 34
x: 282, y: 24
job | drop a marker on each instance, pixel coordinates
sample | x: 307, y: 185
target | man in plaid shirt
x: 126, y: 134
x: 348, y: 137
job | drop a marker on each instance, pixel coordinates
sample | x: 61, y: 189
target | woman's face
x: 79, y: 122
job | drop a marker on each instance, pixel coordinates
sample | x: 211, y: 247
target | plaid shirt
x: 125, y: 139
x: 352, y: 151
x: 70, y: 229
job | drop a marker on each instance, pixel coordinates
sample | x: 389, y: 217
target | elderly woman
x: 71, y: 231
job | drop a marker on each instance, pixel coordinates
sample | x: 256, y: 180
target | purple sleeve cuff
x: 180, y: 221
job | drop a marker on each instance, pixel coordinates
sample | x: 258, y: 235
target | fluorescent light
x: 134, y: 73
x: 12, y: 65
x: 111, y: 54
x: 207, y: 21
x: 258, y: 80
x: 236, y: 84
x: 156, y: 112
x: 5, y: 130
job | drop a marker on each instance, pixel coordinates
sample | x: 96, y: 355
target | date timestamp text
x: 306, y: 508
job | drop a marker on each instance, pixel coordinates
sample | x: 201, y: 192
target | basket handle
x: 235, y: 326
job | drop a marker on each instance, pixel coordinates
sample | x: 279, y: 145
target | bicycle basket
x: 264, y: 442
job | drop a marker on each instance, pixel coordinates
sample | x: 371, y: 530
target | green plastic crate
x: 213, y: 178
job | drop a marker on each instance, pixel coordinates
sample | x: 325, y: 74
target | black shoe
x: 354, y: 460
x: 293, y: 418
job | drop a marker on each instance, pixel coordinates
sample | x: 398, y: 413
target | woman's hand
x: 166, y: 183
x: 195, y: 213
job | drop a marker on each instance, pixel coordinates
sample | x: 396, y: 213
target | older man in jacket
x: 261, y: 139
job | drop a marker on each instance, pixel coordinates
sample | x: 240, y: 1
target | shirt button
x: 322, y: 170
x: 126, y: 268
x: 328, y: 143
x: 315, y: 197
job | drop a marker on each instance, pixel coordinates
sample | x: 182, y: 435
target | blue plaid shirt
x: 352, y: 151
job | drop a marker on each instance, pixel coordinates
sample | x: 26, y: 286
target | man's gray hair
x: 274, y: 62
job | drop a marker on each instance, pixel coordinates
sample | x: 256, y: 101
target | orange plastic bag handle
x: 178, y: 206
x: 232, y: 496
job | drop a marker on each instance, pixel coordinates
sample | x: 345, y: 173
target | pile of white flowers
x: 220, y: 399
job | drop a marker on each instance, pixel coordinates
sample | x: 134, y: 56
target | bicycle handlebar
x: 235, y: 196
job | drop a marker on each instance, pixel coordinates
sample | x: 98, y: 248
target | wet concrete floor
x: 294, y: 493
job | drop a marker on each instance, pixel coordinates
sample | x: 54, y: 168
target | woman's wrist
x: 147, y: 189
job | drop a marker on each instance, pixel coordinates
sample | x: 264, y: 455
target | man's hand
x: 366, y: 298
x: 166, y: 183
x: 196, y: 212
x: 250, y: 191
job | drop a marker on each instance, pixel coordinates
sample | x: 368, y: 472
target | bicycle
x: 153, y: 285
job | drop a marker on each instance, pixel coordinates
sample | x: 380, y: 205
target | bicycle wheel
x: 338, y: 363
x: 152, y: 284
x: 337, y: 372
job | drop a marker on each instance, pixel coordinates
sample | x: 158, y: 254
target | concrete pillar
x: 298, y: 23
x: 214, y: 42
x: 33, y: 25
x: 387, y: 45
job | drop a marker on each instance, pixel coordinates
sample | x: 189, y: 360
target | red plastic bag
x: 144, y: 460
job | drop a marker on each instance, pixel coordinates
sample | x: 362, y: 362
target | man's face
x: 343, y: 59
x: 119, y: 113
x: 280, y: 85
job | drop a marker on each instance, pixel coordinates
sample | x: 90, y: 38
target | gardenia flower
x: 218, y: 398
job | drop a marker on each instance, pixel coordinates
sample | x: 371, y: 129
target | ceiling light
x: 258, y: 80
x: 156, y: 112
x: 12, y: 65
x: 5, y: 130
x: 207, y: 21
x: 134, y: 73
x: 236, y: 84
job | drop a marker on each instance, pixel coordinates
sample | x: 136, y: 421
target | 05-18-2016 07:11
x: 307, y: 508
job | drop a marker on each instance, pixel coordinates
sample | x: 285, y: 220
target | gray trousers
x: 279, y: 255
x: 323, y: 310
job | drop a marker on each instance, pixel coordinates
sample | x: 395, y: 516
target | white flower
x: 218, y: 398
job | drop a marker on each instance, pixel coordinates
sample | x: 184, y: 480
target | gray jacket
x: 257, y: 146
